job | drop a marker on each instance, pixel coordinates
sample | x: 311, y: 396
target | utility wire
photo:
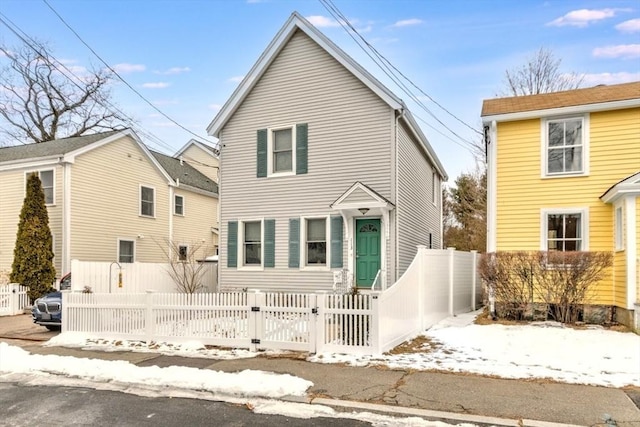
x: 57, y: 65
x: 122, y: 79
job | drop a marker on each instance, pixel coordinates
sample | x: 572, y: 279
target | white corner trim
x: 631, y: 247
x: 492, y: 188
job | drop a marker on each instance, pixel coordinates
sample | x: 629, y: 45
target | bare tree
x: 184, y: 268
x: 541, y: 74
x: 41, y: 100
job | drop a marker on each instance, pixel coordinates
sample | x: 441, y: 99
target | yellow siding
x: 200, y: 215
x: 203, y: 161
x: 105, y: 186
x: 12, y: 192
x: 619, y: 279
x: 614, y: 146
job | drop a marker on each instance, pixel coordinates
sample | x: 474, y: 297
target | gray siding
x: 417, y: 215
x: 350, y: 131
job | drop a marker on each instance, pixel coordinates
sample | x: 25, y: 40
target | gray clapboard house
x: 323, y: 170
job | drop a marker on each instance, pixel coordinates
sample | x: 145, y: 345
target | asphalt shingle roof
x: 569, y: 98
x: 185, y: 173
x: 50, y: 148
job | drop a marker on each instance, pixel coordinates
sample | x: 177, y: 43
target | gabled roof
x: 596, y: 98
x: 627, y: 186
x: 185, y: 174
x: 373, y: 198
x: 57, y: 147
x: 297, y: 23
x: 204, y: 147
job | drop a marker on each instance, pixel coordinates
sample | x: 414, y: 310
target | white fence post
x: 149, y: 323
x: 422, y: 282
x: 452, y: 253
x: 474, y: 278
x: 320, y: 322
x: 374, y: 333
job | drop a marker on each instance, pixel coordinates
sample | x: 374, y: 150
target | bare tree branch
x: 40, y: 100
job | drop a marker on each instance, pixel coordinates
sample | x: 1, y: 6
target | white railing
x: 13, y: 299
x: 437, y: 284
x: 137, y: 277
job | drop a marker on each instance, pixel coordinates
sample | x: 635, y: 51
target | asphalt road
x: 65, y: 406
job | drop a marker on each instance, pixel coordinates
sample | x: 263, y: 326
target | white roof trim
x: 376, y: 200
x: 294, y: 23
x: 575, y: 109
x: 197, y: 144
x: 627, y: 187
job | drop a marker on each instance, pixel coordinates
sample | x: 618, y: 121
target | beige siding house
x: 323, y: 170
x: 202, y: 157
x: 109, y: 198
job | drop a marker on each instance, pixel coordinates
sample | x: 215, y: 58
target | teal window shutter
x: 301, y: 148
x: 262, y: 153
x: 269, y: 242
x: 232, y: 244
x: 294, y: 242
x: 336, y: 242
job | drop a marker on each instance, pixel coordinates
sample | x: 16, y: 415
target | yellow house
x: 564, y: 174
x: 110, y: 198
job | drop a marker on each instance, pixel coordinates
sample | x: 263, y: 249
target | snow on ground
x: 593, y: 356
x: 539, y: 350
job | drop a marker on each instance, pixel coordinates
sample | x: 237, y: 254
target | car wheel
x: 52, y: 327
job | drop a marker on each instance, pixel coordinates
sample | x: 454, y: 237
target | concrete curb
x: 424, y: 413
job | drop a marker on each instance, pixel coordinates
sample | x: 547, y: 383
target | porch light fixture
x: 363, y: 211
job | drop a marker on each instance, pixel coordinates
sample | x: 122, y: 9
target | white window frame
x: 175, y: 196
x: 584, y: 224
x: 270, y: 145
x: 618, y: 223
x: 133, y: 241
x: 140, y: 201
x: 186, y: 257
x: 241, y: 264
x: 53, y: 189
x: 303, y: 243
x: 544, y: 146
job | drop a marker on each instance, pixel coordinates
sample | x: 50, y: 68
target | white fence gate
x: 137, y: 277
x: 437, y: 284
x: 13, y: 299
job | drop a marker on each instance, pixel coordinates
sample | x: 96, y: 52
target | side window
x: 252, y: 243
x: 126, y: 251
x: 183, y: 252
x: 178, y: 205
x: 565, y: 146
x: 564, y: 232
x: 619, y: 229
x: 47, y: 181
x: 147, y: 201
x: 282, y: 150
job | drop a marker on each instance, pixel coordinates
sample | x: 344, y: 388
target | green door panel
x: 367, y: 251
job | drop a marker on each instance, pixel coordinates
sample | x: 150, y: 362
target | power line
x: 389, y: 69
x: 122, y: 79
x: 57, y: 65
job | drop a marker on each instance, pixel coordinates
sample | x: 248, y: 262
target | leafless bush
x: 184, y: 268
x: 561, y: 281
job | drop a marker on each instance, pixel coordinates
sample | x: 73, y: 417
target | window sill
x: 147, y: 216
x: 280, y: 174
x: 565, y: 175
x: 250, y: 268
x: 315, y: 268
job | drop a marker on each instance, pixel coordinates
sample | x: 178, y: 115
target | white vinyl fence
x: 137, y: 277
x: 437, y: 284
x: 13, y: 299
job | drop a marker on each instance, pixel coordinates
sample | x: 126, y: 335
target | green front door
x: 367, y: 251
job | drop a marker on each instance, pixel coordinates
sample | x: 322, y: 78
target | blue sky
x: 186, y: 57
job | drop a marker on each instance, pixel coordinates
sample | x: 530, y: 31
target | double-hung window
x: 565, y: 148
x: 316, y: 242
x: 565, y: 230
x: 282, y: 150
x: 178, y: 205
x: 147, y: 201
x: 183, y: 252
x: 126, y: 251
x: 46, y: 179
x: 252, y: 243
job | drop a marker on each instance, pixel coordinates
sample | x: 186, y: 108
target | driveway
x: 21, y: 327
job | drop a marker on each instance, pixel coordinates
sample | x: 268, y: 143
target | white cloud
x: 322, y: 21
x: 155, y: 85
x: 584, y: 17
x: 174, y: 70
x: 630, y: 26
x: 408, y: 22
x: 236, y: 79
x: 215, y: 107
x: 609, y: 78
x: 624, y: 51
x: 129, y: 68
